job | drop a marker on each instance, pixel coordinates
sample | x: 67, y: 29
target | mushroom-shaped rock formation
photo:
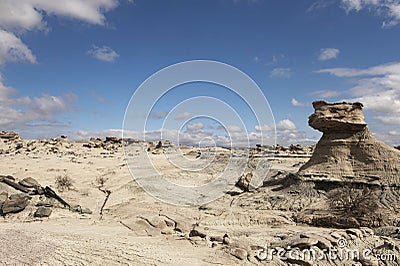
x: 347, y: 151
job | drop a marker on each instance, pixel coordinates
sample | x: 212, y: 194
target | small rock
x: 217, y: 239
x: 303, y: 243
x: 42, y: 212
x: 239, y: 253
x: 85, y: 211
x: 80, y: 209
x: 227, y: 240
x: 195, y: 232
x: 355, y: 232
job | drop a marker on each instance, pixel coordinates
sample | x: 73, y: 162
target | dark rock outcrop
x: 15, y: 205
x: 8, y: 135
x: 42, y: 212
x: 347, y: 151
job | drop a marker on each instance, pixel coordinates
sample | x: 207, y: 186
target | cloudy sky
x: 70, y: 67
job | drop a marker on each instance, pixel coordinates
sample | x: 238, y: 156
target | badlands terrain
x: 68, y: 202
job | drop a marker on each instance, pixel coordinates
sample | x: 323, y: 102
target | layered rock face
x: 347, y: 151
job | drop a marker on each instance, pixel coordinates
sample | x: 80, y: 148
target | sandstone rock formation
x: 347, y: 151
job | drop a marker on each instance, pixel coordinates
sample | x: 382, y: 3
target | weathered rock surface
x: 15, y: 205
x: 8, y: 135
x: 29, y: 182
x: 347, y: 151
x: 42, y: 212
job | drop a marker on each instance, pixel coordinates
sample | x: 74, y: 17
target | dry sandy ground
x: 135, y: 228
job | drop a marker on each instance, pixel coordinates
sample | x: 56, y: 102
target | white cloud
x: 12, y: 49
x: 263, y: 128
x: 104, y: 53
x: 17, y: 17
x: 285, y: 124
x: 388, y: 9
x: 390, y: 68
x: 195, y: 126
x: 325, y: 93
x: 233, y: 128
x: 328, y: 54
x: 25, y: 15
x: 297, y: 103
x: 378, y: 88
x: 22, y: 113
x: 182, y: 116
x: 281, y: 73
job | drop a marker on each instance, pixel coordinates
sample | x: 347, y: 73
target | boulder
x: 244, y: 181
x: 239, y: 253
x: 347, y: 151
x: 29, y: 182
x: 15, y: 205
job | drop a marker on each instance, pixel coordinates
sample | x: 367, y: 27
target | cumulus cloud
x: 12, y: 49
x: 104, y: 53
x: 25, y: 112
x: 328, y: 54
x: 263, y: 128
x: 378, y: 88
x: 25, y: 15
x: 281, y: 73
x: 17, y: 17
x: 295, y: 102
x: 388, y: 9
x: 182, y: 116
x: 195, y: 126
x: 285, y: 124
x: 233, y: 128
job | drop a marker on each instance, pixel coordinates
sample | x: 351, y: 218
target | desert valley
x: 76, y: 203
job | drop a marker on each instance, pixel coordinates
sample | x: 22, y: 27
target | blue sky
x: 71, y: 67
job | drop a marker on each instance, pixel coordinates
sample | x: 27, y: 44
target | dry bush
x: 100, y: 181
x: 354, y: 202
x: 63, y: 182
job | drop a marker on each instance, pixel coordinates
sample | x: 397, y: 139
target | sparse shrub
x: 349, y: 201
x: 100, y: 181
x: 63, y: 182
